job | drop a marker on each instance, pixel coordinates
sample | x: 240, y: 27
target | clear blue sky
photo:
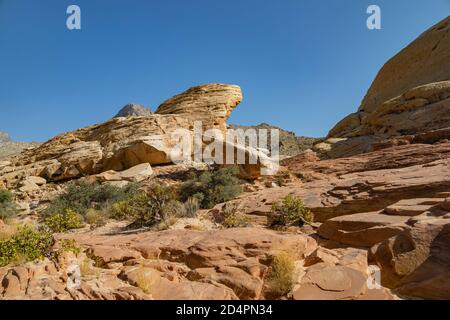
x: 302, y: 65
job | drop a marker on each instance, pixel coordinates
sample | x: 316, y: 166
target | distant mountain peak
x: 4, y: 137
x: 133, y: 110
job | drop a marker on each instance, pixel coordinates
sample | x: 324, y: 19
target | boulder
x: 137, y: 173
x: 323, y: 282
x: 36, y: 180
x: 416, y: 262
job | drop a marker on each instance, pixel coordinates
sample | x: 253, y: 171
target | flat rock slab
x: 363, y: 229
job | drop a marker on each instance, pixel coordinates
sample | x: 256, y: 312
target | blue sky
x: 302, y: 65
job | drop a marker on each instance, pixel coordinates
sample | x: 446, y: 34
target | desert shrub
x: 8, y: 209
x: 232, y: 217
x: 160, y: 206
x: 174, y: 208
x: 69, y: 245
x: 155, y: 207
x: 61, y: 222
x: 191, y: 206
x: 281, y: 275
x: 290, y: 211
x: 5, y: 195
x: 281, y: 180
x: 27, y: 244
x: 95, y: 218
x: 81, y: 196
x: 211, y: 188
x: 130, y: 208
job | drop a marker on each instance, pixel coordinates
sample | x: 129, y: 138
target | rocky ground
x: 378, y: 187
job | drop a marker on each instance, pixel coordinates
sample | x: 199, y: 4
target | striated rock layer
x: 210, y: 103
x: 411, y: 94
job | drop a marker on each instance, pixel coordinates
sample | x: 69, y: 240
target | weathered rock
x: 417, y: 261
x: 36, y: 180
x: 122, y: 143
x: 211, y: 103
x: 106, y: 254
x: 137, y: 173
x: 414, y: 207
x: 411, y: 93
x: 28, y: 186
x: 243, y: 284
x: 363, y: 229
x: 323, y: 282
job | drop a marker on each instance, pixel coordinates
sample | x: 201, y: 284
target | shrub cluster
x: 158, y: 206
x: 8, y: 209
x: 84, y: 202
x: 27, y: 244
x: 64, y: 221
x: 212, y: 187
x: 289, y: 211
x: 232, y: 217
x: 80, y: 196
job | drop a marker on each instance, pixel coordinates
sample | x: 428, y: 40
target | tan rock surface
x: 410, y: 94
x: 211, y: 103
x: 417, y: 261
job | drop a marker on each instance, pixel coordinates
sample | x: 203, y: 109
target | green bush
x: 8, y: 209
x: 232, y: 217
x: 62, y: 222
x: 290, y: 211
x: 159, y: 207
x: 27, y: 244
x: 81, y: 196
x: 69, y: 245
x: 149, y: 209
x: 131, y: 208
x: 191, y: 206
x: 211, y: 188
x: 281, y: 275
x: 5, y: 196
x: 95, y: 218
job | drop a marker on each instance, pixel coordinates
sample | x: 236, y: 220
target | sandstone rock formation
x: 125, y: 142
x: 118, y: 144
x: 133, y: 110
x: 410, y: 95
x: 186, y: 264
x: 211, y: 103
x: 417, y: 260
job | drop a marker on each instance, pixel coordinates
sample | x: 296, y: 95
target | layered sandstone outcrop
x: 410, y: 94
x: 211, y: 103
x: 125, y: 142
